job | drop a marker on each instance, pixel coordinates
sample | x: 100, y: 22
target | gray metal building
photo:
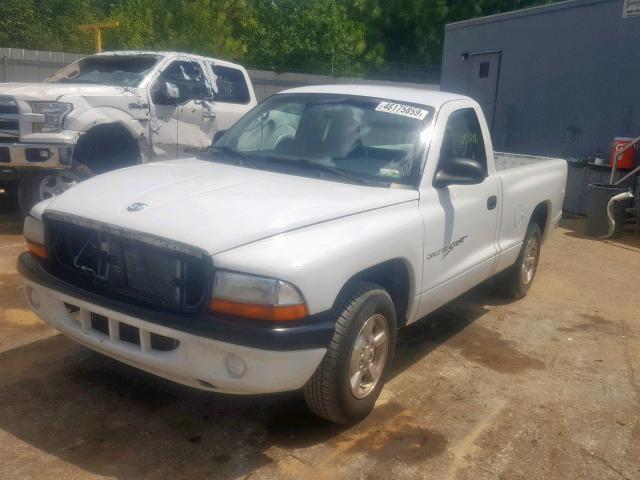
x: 560, y: 80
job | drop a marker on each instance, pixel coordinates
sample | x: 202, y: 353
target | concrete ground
x: 546, y: 387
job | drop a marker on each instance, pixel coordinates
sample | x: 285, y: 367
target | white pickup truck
x: 113, y: 110
x: 287, y: 256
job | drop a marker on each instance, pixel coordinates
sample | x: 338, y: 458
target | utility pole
x: 97, y: 30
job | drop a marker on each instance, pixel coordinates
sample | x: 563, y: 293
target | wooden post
x: 97, y: 31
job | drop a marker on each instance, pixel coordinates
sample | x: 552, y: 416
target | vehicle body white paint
x: 318, y: 234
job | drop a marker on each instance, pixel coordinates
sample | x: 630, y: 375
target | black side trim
x: 314, y: 331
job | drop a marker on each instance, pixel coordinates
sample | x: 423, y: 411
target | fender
x: 137, y: 125
x: 102, y: 115
x: 320, y: 259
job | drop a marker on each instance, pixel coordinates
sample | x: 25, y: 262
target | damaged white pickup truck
x: 113, y: 110
x: 288, y: 255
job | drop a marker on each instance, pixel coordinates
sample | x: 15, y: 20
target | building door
x: 484, y: 71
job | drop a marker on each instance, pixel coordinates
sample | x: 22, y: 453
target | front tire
x: 37, y: 186
x: 515, y: 281
x: 347, y: 383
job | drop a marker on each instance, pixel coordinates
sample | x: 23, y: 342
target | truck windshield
x: 349, y: 138
x: 118, y: 70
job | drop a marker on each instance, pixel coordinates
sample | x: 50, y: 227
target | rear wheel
x: 517, y: 279
x: 347, y: 383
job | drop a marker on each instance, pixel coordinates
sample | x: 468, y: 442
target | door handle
x: 492, y: 201
x: 209, y: 115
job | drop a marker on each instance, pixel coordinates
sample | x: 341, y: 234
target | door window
x: 232, y: 86
x: 189, y: 79
x: 274, y: 130
x: 463, y: 139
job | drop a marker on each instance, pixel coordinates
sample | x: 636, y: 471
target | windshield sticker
x: 446, y: 250
x: 404, y: 110
x: 390, y: 172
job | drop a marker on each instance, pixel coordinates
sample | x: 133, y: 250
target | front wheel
x: 347, y: 383
x: 36, y: 186
x: 517, y: 279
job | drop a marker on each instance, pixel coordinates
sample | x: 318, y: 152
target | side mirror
x: 459, y: 171
x: 217, y: 135
x: 167, y: 94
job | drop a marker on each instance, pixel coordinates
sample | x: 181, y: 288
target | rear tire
x: 347, y: 383
x: 515, y: 281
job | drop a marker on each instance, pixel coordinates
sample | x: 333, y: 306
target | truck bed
x: 505, y: 161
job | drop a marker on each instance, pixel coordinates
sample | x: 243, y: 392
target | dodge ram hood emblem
x: 136, y: 207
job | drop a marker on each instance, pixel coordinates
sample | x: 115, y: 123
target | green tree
x: 47, y: 24
x: 304, y: 35
x: 199, y: 26
x: 322, y: 36
x: 412, y: 31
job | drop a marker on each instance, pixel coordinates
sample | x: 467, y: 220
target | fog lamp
x: 236, y: 366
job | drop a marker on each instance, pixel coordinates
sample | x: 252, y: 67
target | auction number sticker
x: 404, y: 110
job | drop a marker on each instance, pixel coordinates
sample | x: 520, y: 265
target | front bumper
x: 35, y: 155
x: 185, y: 357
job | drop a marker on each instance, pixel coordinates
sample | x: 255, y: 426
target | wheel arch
x: 104, y: 139
x: 394, y: 276
x: 540, y: 216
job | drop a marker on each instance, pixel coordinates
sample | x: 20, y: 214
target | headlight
x: 34, y: 235
x: 256, y: 297
x: 54, y: 114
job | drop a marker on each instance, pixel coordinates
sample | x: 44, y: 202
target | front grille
x: 6, y: 108
x: 127, y: 269
x: 9, y: 125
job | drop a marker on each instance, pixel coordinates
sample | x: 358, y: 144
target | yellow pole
x: 97, y: 31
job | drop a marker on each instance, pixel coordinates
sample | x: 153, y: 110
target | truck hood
x: 53, y: 91
x: 217, y: 207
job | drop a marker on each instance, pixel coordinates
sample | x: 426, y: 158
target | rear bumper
x: 36, y: 155
x: 192, y: 359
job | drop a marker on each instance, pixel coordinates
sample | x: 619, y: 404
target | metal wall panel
x: 568, y: 81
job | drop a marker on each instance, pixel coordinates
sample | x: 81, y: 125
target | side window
x: 463, y: 139
x: 232, y: 87
x: 274, y: 131
x: 189, y: 79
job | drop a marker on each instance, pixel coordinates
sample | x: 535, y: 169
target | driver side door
x: 460, y: 221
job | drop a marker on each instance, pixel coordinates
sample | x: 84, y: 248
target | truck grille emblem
x: 136, y: 207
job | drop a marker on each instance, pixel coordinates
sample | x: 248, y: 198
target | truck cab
x: 113, y: 110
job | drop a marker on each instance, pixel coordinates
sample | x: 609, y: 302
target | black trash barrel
x: 599, y: 195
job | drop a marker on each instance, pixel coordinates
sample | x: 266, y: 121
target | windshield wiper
x: 306, y: 163
x: 241, y: 158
